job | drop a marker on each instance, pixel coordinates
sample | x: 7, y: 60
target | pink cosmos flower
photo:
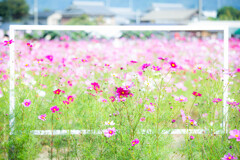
x: 191, y: 137
x: 110, y: 132
x: 70, y: 83
x: 104, y: 100
x: 84, y: 60
x: 233, y: 104
x: 234, y: 134
x: 135, y: 141
x: 49, y: 57
x: 112, y: 98
x: 149, y: 108
x: 216, y: 100
x: 29, y: 45
x: 54, y: 109
x: 26, y: 102
x: 42, y: 117
x: 133, y: 61
x: 142, y: 119
x: 229, y: 157
x: 146, y: 65
x: 173, y: 121
x: 66, y: 102
x: 193, y: 122
x: 164, y: 59
x: 96, y: 86
x: 5, y: 43
x: 173, y: 64
x: 107, y: 65
x: 70, y: 98
x: 181, y: 99
x: 156, y: 68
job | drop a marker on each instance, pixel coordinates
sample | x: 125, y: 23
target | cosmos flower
x: 142, y: 119
x: 84, y: 60
x: 26, y: 102
x: 5, y: 43
x: 121, y: 92
x: 191, y: 137
x: 70, y: 98
x: 146, y: 65
x: 229, y: 157
x: 173, y: 64
x: 110, y: 132
x: 29, y: 45
x: 104, y: 100
x: 197, y: 94
x: 181, y: 99
x: 193, y: 122
x: 96, y: 86
x: 49, y: 57
x: 133, y: 61
x: 163, y: 59
x: 156, y: 68
x: 54, y: 109
x: 234, y: 134
x: 216, y: 100
x: 109, y: 123
x: 66, y: 102
x: 58, y: 91
x: 149, y: 108
x: 112, y: 98
x: 135, y: 141
x: 42, y: 117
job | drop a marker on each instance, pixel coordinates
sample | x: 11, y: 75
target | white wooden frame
x: 14, y: 28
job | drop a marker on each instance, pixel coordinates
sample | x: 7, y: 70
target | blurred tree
x: 228, y: 13
x: 13, y: 9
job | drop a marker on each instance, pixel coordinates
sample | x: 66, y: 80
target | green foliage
x: 82, y: 20
x: 13, y: 9
x: 228, y: 13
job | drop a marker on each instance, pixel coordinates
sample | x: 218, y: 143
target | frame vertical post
x: 225, y: 79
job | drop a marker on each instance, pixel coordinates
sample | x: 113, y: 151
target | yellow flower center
x: 181, y: 99
x: 191, y: 123
x: 54, y: 109
x: 199, y: 67
x: 236, y: 135
x: 8, y: 42
x: 155, y: 68
x: 173, y: 65
x: 110, y: 132
x: 133, y: 142
x: 149, y: 109
x: 42, y: 117
x: 26, y: 103
x: 229, y: 157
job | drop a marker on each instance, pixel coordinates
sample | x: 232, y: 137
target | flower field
x: 125, y: 95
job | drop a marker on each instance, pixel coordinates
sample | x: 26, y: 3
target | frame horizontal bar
x: 99, y: 28
x: 174, y: 131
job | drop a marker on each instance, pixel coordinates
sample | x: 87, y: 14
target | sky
x: 142, y: 5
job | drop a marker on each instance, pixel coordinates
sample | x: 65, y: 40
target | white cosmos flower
x: 108, y: 123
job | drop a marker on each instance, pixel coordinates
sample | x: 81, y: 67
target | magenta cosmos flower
x: 234, y: 134
x: 70, y: 98
x: 49, y: 57
x: 110, y: 132
x: 216, y: 100
x: 142, y: 119
x: 58, y: 91
x: 26, y: 102
x: 228, y: 157
x: 5, y: 43
x: 96, y: 86
x: 121, y: 92
x: 135, y: 141
x: 29, y: 45
x: 54, y: 109
x: 146, y: 65
x: 181, y: 99
x: 191, y: 137
x: 173, y: 64
x: 42, y: 117
x: 197, y: 94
